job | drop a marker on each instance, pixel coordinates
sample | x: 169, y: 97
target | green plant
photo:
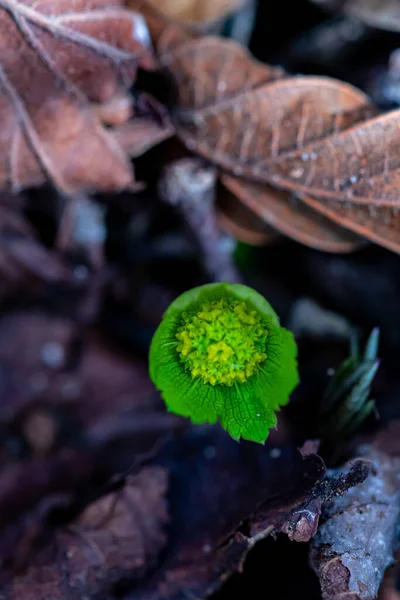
x: 220, y: 353
x: 347, y: 402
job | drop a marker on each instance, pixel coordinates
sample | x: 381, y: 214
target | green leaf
x: 220, y: 354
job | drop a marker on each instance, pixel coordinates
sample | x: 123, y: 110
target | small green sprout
x: 220, y: 353
x: 346, y: 402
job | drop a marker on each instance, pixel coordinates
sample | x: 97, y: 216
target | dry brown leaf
x: 197, y: 11
x: 239, y: 221
x: 286, y: 214
x: 291, y: 132
x: 139, y: 135
x: 116, y: 538
x: 55, y: 57
x: 378, y: 224
x: 315, y: 136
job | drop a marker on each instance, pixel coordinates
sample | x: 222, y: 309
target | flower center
x: 223, y: 342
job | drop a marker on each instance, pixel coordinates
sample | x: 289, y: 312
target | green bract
x: 220, y: 353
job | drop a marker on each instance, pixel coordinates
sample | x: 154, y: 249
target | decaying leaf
x: 285, y: 213
x: 56, y: 58
x: 239, y: 221
x: 66, y: 399
x: 226, y: 497
x: 378, y: 224
x: 314, y: 136
x: 115, y: 540
x: 234, y: 111
x: 139, y: 135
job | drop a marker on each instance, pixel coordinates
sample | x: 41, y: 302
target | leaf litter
x: 103, y: 494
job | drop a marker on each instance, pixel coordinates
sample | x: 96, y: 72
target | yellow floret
x: 223, y: 342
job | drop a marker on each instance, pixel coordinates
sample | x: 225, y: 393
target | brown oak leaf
x: 56, y: 58
x: 314, y: 136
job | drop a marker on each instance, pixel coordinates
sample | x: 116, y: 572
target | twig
x: 82, y: 226
x: 189, y: 184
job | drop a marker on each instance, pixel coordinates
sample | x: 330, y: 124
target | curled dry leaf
x: 139, y: 135
x: 116, y: 539
x: 56, y: 58
x: 240, y: 222
x: 314, y: 136
x: 284, y: 212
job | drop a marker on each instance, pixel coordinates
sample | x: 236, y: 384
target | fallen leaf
x: 56, y: 58
x: 115, y: 540
x: 225, y: 497
x: 236, y: 219
x: 163, y: 29
x: 74, y: 412
x: 49, y: 361
x: 138, y: 126
x: 310, y: 135
x: 287, y: 215
x: 139, y: 135
x: 380, y: 224
x: 197, y: 11
x: 234, y: 111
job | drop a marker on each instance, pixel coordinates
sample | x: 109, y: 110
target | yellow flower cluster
x: 223, y: 342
